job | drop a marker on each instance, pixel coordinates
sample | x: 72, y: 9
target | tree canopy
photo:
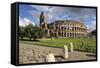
x: 31, y: 32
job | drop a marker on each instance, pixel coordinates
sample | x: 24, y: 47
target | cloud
x: 53, y: 13
x: 92, y: 26
x: 25, y: 21
x: 41, y: 8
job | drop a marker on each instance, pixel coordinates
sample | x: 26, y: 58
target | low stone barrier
x: 71, y: 47
x: 65, y: 51
x: 50, y: 58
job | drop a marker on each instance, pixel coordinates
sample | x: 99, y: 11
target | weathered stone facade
x: 63, y: 28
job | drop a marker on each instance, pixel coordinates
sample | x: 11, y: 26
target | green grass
x: 81, y: 44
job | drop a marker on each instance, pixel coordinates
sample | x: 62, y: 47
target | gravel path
x: 36, y: 54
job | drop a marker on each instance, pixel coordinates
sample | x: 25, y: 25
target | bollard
x: 71, y: 47
x: 65, y: 51
x: 50, y: 58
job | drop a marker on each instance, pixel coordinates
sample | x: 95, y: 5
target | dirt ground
x: 37, y: 54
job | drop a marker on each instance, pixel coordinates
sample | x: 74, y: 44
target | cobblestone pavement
x: 37, y: 54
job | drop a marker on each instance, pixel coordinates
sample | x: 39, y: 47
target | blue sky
x: 30, y: 14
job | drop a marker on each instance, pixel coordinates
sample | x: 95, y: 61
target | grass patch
x: 81, y: 44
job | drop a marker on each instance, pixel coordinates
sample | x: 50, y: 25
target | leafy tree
x: 93, y: 33
x: 37, y: 33
x: 21, y: 32
x: 29, y: 31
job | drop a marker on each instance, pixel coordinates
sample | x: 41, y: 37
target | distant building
x: 63, y: 28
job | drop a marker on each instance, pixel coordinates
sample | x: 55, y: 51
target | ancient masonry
x: 63, y: 28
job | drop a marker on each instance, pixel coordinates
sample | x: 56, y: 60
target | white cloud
x: 41, y: 8
x: 63, y: 13
x: 92, y: 26
x: 25, y: 21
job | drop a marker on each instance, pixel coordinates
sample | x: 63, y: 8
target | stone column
x: 76, y: 34
x: 69, y: 34
x: 74, y: 31
x: 73, y: 34
x: 63, y: 31
x: 50, y: 58
x: 65, y: 51
x: 66, y: 34
x: 69, y: 30
x: 71, y: 47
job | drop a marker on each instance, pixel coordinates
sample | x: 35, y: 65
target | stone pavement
x: 29, y: 53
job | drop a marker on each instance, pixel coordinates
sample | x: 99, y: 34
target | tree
x: 29, y: 31
x: 37, y: 33
x: 93, y: 32
x: 21, y: 32
x: 33, y: 32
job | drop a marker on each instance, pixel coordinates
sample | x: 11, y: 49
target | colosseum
x: 63, y: 28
